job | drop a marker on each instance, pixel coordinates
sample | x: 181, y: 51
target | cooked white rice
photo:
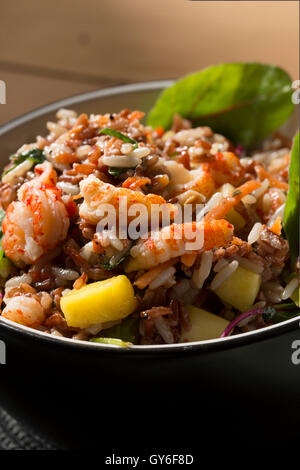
x: 68, y: 188
x: 248, y: 264
x: 202, y: 273
x: 20, y: 170
x: 278, y: 213
x: 220, y: 265
x: 211, y: 204
x: 17, y: 280
x: 222, y: 275
x: 289, y: 289
x: 255, y: 233
x: 163, y: 277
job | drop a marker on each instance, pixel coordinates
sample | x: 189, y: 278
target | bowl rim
x: 212, y: 344
x: 204, y: 345
x: 81, y: 98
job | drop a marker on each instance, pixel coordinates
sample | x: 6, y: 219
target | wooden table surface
x: 53, y: 49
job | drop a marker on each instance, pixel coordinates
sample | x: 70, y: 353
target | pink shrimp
x: 279, y: 165
x: 38, y: 221
x: 203, y: 183
x: 96, y: 193
x: 177, y: 240
x: 27, y: 309
x: 263, y: 174
x: 226, y: 168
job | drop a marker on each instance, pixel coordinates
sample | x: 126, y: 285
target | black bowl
x: 71, y: 392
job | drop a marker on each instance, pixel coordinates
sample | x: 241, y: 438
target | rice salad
x: 63, y: 275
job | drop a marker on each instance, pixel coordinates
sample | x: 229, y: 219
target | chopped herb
x: 35, y: 156
x: 236, y: 193
x: 106, y: 265
x: 118, y: 135
x: 284, y: 306
x: 109, y: 265
x: 281, y: 312
x: 112, y: 341
x: 116, y: 171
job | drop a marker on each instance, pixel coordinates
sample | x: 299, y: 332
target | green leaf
x: 244, y: 101
x: 118, y: 135
x: 35, y: 156
x: 291, y: 211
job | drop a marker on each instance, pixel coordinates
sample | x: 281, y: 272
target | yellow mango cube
x: 236, y: 219
x: 99, y: 302
x: 205, y: 325
x: 240, y: 289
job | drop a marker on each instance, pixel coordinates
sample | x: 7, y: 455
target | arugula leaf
x: 35, y: 156
x: 291, y: 211
x: 118, y: 135
x: 244, y: 101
